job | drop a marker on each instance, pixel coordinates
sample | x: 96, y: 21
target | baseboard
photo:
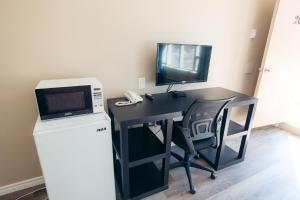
x: 290, y: 128
x: 21, y: 185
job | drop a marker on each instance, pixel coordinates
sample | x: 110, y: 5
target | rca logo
x: 101, y: 129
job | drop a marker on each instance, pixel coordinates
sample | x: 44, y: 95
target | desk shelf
x: 235, y: 129
x: 143, y: 146
x: 228, y: 157
x: 144, y: 180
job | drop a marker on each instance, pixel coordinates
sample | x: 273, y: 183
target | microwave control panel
x: 97, y: 99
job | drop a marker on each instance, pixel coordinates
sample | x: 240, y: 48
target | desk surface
x: 166, y: 104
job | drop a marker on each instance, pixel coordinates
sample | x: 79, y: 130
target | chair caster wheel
x: 213, y: 176
x: 193, y: 191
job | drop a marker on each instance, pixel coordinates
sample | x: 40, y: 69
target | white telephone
x: 132, y: 97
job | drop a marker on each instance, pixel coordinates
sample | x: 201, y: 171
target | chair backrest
x: 204, y: 118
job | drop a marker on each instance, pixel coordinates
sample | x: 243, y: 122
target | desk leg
x: 224, y: 130
x: 248, y: 126
x: 125, y: 160
x: 167, y: 142
x: 112, y: 121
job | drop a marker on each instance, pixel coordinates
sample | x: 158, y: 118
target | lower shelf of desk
x: 229, y: 157
x: 143, y: 146
x: 144, y: 180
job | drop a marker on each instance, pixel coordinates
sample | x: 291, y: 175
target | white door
x: 282, y: 56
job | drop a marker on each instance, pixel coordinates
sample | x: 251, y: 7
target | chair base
x: 186, y: 163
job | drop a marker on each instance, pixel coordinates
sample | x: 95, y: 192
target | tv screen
x: 182, y: 63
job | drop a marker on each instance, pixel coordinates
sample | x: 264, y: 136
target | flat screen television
x: 182, y: 63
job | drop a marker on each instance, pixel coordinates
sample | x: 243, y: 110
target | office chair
x: 199, y: 129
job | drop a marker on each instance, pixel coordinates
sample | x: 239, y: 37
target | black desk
x: 136, y: 150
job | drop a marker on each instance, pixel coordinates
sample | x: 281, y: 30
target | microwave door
x: 64, y: 101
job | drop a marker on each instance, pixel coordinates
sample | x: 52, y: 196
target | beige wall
x: 113, y: 40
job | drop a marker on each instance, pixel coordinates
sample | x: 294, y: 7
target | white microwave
x: 68, y: 97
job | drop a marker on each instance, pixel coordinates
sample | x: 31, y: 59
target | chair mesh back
x: 204, y: 117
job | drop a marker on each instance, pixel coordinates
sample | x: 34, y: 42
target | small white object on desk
x: 132, y: 97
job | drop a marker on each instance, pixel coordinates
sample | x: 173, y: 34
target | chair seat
x: 180, y: 141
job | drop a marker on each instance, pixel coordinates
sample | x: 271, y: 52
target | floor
x: 270, y: 171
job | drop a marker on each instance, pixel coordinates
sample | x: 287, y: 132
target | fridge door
x: 77, y: 162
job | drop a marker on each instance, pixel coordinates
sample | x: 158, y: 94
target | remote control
x: 149, y: 96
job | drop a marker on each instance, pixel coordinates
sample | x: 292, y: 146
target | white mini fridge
x: 76, y: 157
